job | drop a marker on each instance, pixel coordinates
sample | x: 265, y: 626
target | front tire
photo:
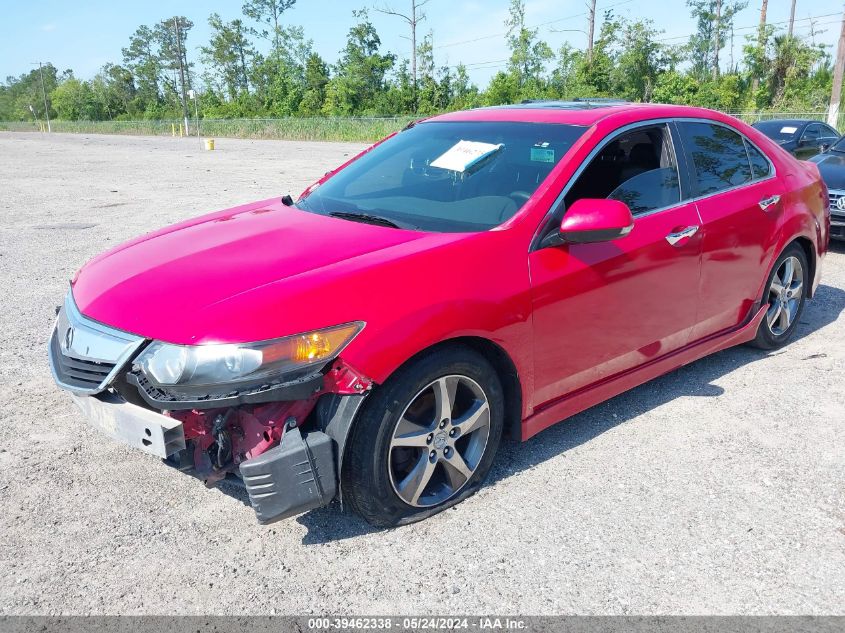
x: 426, y: 438
x: 785, y: 293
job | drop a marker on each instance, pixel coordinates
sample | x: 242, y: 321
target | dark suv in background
x: 800, y: 137
x: 832, y: 169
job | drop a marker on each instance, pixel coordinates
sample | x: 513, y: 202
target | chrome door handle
x: 674, y: 238
x: 765, y: 203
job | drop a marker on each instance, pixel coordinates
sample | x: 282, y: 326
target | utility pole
x: 791, y: 19
x: 413, y: 19
x: 761, y: 43
x: 193, y: 95
x: 181, y: 74
x: 591, y: 27
x: 716, y: 39
x: 731, y: 63
x: 838, y: 68
x: 44, y: 94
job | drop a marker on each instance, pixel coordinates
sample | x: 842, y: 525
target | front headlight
x: 200, y: 365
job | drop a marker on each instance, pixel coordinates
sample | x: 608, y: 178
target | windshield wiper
x: 369, y: 218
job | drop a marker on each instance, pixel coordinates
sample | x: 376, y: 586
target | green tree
x: 676, y: 87
x: 465, y: 94
x: 171, y: 38
x: 228, y: 56
x: 596, y: 76
x: 359, y: 76
x: 791, y: 81
x: 114, y: 90
x: 75, y: 100
x: 714, y: 22
x: 529, y: 55
x: 434, y: 86
x: 268, y: 13
x: 22, y: 99
x: 640, y: 60
x: 316, y: 79
x: 141, y: 58
x: 564, y: 81
x: 280, y: 81
x: 503, y: 88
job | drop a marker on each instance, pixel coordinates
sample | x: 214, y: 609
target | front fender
x: 382, y: 348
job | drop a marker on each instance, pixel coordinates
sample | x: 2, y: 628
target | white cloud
x: 47, y: 27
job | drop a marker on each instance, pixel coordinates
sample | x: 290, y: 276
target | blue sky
x: 85, y: 35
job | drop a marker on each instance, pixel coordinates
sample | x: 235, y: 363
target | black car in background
x: 801, y: 137
x: 832, y: 167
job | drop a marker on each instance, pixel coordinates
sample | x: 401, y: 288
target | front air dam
x: 296, y: 476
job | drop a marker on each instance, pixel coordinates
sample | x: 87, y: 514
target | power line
x: 498, y: 63
x: 755, y: 26
x: 535, y: 26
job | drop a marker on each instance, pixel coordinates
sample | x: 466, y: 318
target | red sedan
x: 479, y: 274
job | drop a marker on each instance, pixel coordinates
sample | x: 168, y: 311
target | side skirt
x: 584, y: 398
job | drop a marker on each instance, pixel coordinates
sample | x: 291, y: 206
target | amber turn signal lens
x: 318, y: 345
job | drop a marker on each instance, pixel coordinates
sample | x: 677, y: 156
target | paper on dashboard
x: 464, y: 154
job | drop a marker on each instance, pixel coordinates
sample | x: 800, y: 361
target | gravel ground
x: 719, y: 488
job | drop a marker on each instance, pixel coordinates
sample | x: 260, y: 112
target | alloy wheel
x: 785, y: 294
x: 439, y: 441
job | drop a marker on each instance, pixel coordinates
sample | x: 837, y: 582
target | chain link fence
x: 299, y: 128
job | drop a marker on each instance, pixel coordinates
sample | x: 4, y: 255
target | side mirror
x: 594, y: 220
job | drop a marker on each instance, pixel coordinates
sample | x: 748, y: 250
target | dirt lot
x: 719, y: 488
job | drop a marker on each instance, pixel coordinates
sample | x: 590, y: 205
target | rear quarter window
x: 760, y: 165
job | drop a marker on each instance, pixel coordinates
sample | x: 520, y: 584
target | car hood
x: 832, y: 169
x: 180, y: 284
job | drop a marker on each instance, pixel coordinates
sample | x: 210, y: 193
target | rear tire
x: 785, y: 293
x: 425, y: 439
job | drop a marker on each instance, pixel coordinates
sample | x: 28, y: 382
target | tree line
x: 258, y: 65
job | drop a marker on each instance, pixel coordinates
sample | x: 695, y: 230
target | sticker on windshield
x: 788, y: 129
x: 542, y: 154
x: 464, y: 154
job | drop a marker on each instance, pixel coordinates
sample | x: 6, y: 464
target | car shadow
x: 837, y: 246
x: 696, y: 379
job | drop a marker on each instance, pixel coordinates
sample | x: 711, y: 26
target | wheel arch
x: 808, y: 247
x: 508, y: 376
x: 505, y: 369
x: 810, y: 252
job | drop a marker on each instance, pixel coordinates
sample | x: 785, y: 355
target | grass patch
x: 294, y: 129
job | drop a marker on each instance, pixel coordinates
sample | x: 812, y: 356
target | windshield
x: 779, y: 130
x: 446, y: 176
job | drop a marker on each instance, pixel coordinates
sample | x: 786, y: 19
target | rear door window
x: 718, y: 155
x: 829, y: 134
x: 812, y: 133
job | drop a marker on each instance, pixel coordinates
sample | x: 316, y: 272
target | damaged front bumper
x: 299, y: 474
x: 140, y: 428
x: 283, y: 440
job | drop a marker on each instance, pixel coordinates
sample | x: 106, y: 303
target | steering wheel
x: 520, y: 197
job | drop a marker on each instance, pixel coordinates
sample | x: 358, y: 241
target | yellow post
x: 180, y: 130
x: 172, y: 129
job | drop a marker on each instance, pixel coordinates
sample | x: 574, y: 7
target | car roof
x: 582, y: 112
x: 788, y: 121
